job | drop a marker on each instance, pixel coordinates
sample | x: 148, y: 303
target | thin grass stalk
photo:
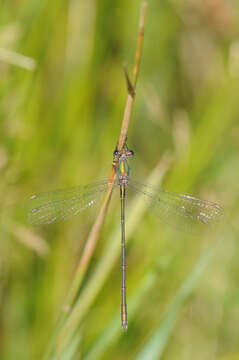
x: 132, y: 91
x: 95, y: 231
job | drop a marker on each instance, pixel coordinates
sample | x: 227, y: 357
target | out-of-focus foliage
x: 62, y: 97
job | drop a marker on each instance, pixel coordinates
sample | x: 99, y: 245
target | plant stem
x: 131, y: 95
x: 95, y: 230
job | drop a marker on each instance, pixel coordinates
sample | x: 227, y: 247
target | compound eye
x: 115, y: 153
x: 130, y: 153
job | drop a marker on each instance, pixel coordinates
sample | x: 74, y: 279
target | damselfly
x: 179, y: 210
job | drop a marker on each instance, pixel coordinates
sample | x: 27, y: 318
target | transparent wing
x: 59, y: 205
x: 180, y: 211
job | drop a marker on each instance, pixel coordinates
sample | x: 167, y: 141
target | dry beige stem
x: 95, y: 231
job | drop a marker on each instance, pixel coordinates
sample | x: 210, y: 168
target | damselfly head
x: 124, y: 153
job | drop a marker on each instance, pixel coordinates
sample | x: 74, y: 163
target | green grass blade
x: 155, y: 346
x: 113, y: 331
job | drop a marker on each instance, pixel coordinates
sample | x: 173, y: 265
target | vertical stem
x: 65, y: 318
x: 131, y: 95
x: 124, y: 321
x: 140, y: 43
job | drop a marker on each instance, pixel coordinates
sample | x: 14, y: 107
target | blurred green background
x: 62, y: 97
